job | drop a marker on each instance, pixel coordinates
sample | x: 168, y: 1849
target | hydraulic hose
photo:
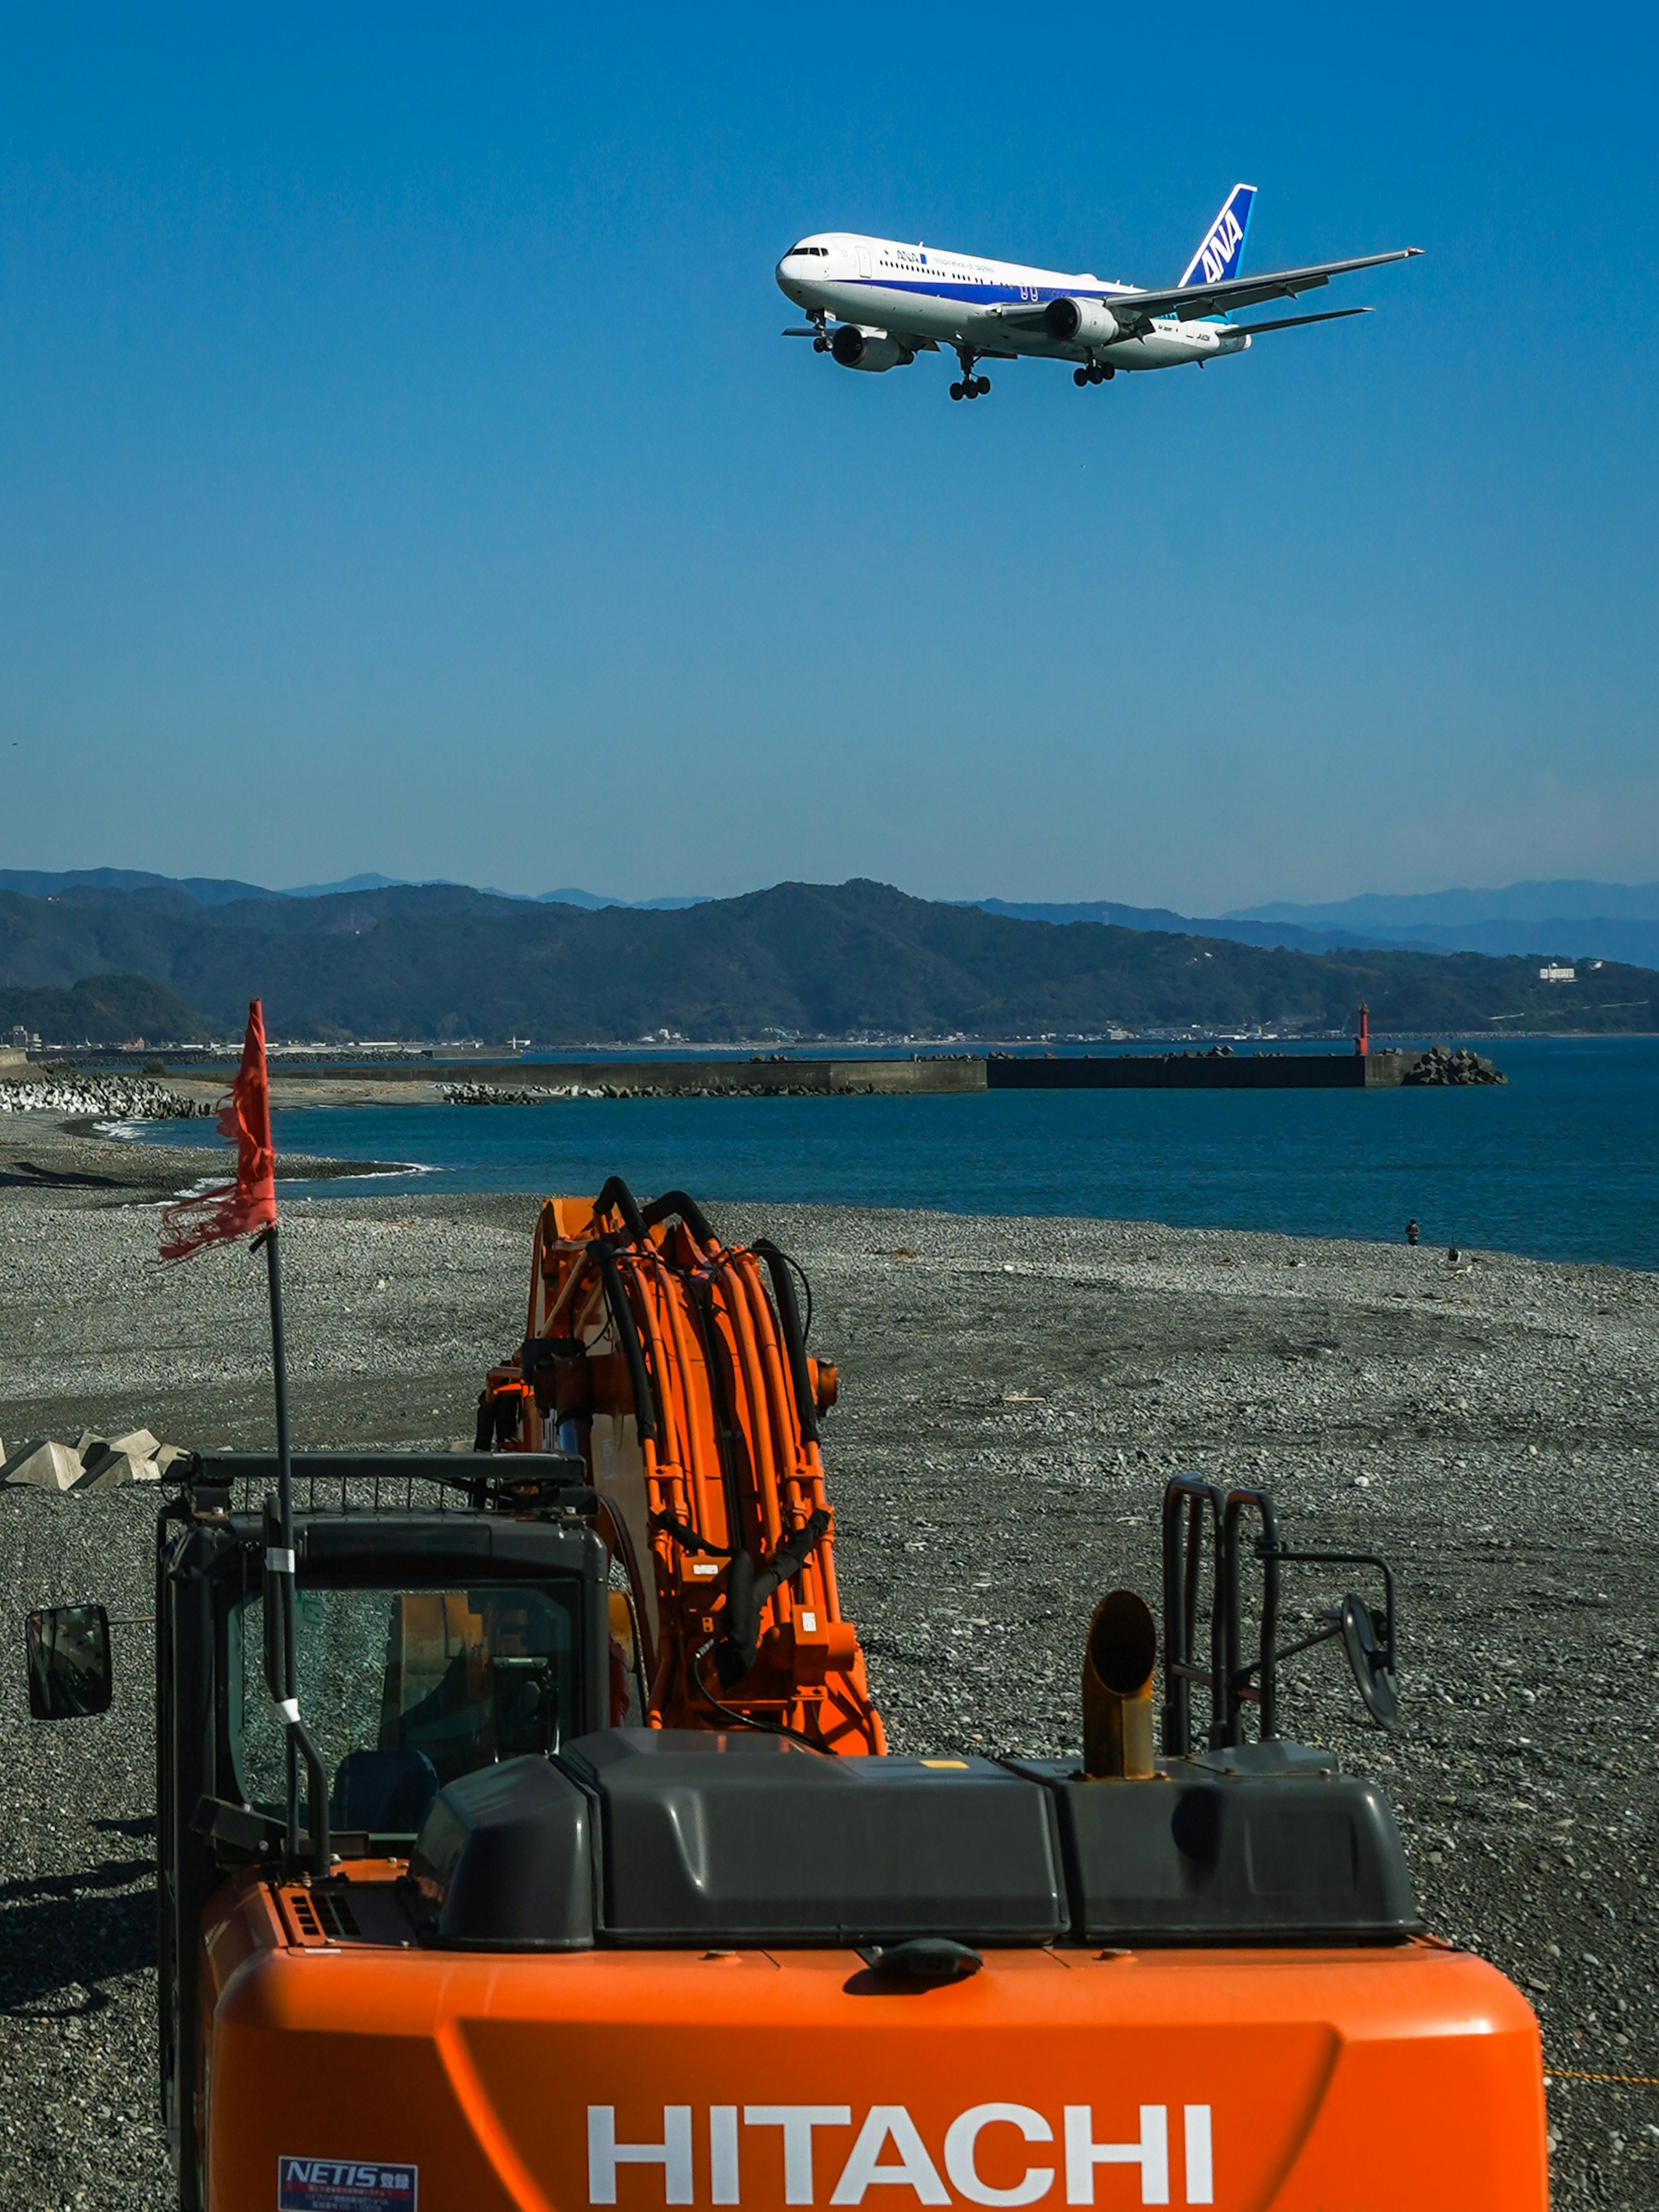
x: 747, y: 1589
x: 617, y: 1196
x: 794, y: 1343
x: 676, y: 1201
x: 627, y: 1334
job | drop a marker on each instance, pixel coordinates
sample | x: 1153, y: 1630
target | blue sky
x: 402, y: 468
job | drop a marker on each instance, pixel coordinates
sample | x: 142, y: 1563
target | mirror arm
x: 1283, y: 1651
x: 1348, y: 1559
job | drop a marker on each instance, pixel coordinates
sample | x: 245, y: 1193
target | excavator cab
x: 447, y: 1621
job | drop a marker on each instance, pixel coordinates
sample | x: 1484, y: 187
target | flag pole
x: 215, y: 1217
x: 282, y: 1563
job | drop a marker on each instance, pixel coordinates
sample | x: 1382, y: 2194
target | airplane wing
x: 1190, y: 302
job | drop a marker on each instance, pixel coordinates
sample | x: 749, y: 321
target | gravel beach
x: 1014, y: 1393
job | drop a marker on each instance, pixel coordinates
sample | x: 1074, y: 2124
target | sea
x: 1561, y: 1162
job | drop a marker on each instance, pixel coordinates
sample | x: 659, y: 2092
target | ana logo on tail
x: 1218, y: 257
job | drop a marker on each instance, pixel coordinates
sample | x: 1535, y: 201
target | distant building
x: 1553, y: 972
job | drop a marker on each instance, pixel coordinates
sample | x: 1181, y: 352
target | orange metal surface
x: 729, y: 1461
x: 1382, y: 2081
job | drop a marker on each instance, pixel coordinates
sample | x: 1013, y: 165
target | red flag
x: 250, y: 1202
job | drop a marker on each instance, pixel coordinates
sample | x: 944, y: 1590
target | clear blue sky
x: 402, y: 470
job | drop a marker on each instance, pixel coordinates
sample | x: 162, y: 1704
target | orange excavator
x: 528, y: 1839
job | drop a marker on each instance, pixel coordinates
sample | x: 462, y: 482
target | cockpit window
x: 820, y: 250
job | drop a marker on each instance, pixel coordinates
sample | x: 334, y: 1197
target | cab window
x: 404, y: 1689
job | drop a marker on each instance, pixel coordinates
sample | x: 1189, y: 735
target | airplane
x: 893, y: 301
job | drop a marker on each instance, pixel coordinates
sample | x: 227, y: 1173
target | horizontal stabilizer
x: 804, y: 331
x: 1296, y: 322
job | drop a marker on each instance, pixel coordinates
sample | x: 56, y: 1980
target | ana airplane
x: 894, y: 301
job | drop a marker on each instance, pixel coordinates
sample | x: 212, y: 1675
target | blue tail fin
x: 1223, y: 250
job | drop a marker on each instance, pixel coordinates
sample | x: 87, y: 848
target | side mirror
x: 71, y: 1677
x: 1372, y: 1663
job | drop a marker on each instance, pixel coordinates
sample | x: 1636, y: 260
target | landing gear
x: 972, y: 387
x: 1096, y: 373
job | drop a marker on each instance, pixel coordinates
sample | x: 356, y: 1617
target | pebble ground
x: 1014, y: 1393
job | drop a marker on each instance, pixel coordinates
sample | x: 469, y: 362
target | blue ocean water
x: 1562, y: 1162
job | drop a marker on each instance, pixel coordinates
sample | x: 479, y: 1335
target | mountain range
x: 1567, y: 921
x: 1562, y: 921
x: 225, y: 891
x: 800, y: 960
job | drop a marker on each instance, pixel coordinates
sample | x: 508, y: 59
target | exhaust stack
x: 1119, y: 1661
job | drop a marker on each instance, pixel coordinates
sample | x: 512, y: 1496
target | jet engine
x: 872, y: 350
x: 1084, y: 321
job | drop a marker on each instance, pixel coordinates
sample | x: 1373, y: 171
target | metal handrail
x: 1232, y: 1681
x: 1186, y: 1497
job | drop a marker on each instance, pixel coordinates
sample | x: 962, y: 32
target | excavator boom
x: 654, y: 1351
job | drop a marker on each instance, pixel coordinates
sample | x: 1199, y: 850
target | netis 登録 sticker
x: 345, y: 2184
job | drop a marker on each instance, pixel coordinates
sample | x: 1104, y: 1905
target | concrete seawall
x: 793, y: 1079
x: 1205, y: 1071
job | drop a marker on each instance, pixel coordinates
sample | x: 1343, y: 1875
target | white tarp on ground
x: 94, y: 1461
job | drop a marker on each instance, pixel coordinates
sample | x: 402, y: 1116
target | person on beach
x: 1411, y: 1230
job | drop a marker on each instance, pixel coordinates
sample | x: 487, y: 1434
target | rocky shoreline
x: 1014, y: 1393
x: 108, y: 1099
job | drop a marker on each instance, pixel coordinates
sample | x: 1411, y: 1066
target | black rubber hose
x: 676, y: 1201
x: 617, y: 1195
x: 747, y: 1589
x: 628, y: 1335
x: 688, y: 1538
x: 783, y: 1290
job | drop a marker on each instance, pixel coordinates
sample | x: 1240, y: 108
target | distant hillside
x: 1288, y: 935
x: 102, y: 1009
x: 1568, y: 919
x: 207, y: 891
x: 802, y: 959
x: 216, y: 890
x: 1563, y: 899
x: 1561, y: 937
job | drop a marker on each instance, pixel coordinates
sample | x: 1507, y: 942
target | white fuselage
x: 964, y: 302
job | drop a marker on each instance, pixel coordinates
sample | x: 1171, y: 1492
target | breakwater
x: 1222, y: 1069
x: 713, y: 1079
x: 1219, y: 1068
